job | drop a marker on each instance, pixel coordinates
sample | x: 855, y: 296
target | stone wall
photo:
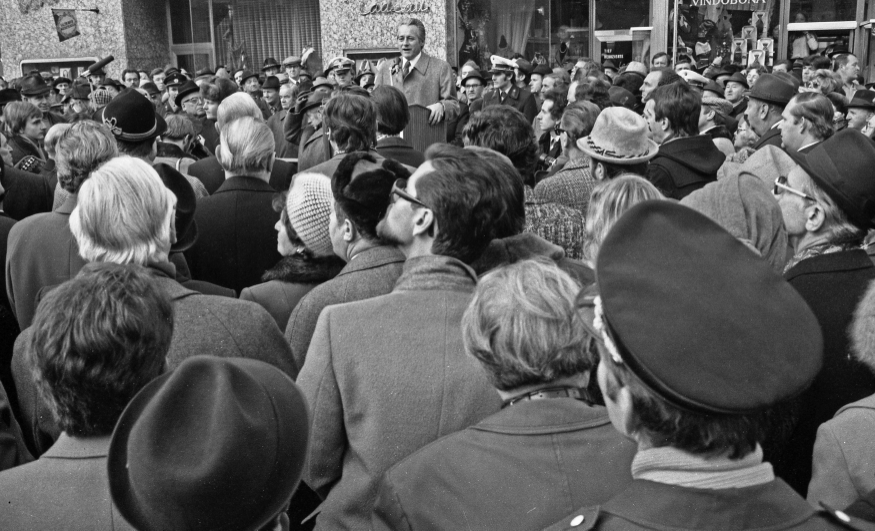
x: 146, y: 33
x: 344, y: 26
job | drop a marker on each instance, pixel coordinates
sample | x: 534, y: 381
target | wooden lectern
x: 419, y: 133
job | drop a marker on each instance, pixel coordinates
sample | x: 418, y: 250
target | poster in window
x: 749, y: 33
x: 768, y: 47
x: 756, y: 58
x: 739, y: 51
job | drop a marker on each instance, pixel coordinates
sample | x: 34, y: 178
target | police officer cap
x: 501, y: 65
x: 700, y: 319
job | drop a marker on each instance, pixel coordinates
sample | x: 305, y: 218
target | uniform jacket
x: 684, y: 165
x: 202, y: 325
x: 67, y: 488
x: 398, y: 149
x: 832, y: 285
x: 237, y: 241
x: 771, y: 138
x: 41, y: 252
x: 521, y: 468
x: 384, y: 377
x: 26, y: 193
x: 429, y: 82
x: 649, y: 505
x: 518, y: 98
x: 370, y: 273
x: 210, y: 172
x: 284, y: 149
x: 843, y: 466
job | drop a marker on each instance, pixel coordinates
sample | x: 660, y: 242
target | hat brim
x: 493, y: 71
x: 187, y: 240
x: 37, y: 92
x: 652, y: 150
x: 183, y: 94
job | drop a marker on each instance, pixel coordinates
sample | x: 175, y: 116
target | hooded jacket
x: 684, y: 165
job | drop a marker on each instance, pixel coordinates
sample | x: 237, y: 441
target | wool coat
x: 369, y: 273
x: 525, y: 246
x: 41, y: 252
x: 650, y: 505
x: 210, y: 172
x: 26, y: 193
x: 521, y: 468
x: 313, y: 151
x: 384, y: 377
x: 67, y: 488
x: 684, y: 165
x: 284, y: 149
x: 427, y: 83
x: 832, y: 285
x: 771, y: 138
x: 237, y: 239
x: 202, y: 325
x: 398, y: 149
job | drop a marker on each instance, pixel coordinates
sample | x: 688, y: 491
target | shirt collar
x: 809, y: 145
x: 413, y: 62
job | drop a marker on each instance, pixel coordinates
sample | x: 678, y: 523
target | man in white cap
x: 506, y: 92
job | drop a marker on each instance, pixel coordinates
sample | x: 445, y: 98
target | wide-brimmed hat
x: 34, y: 85
x: 863, y: 99
x: 246, y: 75
x: 739, y: 78
x: 188, y: 88
x: 186, y: 203
x: 271, y: 82
x: 131, y: 117
x: 218, y: 443
x: 270, y: 62
x: 843, y: 166
x: 619, y: 136
x: 772, y: 89
x: 58, y: 81
x: 309, y: 101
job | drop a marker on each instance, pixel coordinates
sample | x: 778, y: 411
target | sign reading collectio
x: 375, y: 7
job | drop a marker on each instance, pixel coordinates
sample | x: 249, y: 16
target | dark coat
x: 210, y: 172
x: 202, y: 325
x: 289, y: 280
x: 26, y: 193
x: 21, y: 148
x: 650, y: 505
x: 13, y: 451
x: 832, y: 285
x: 6, y: 224
x: 771, y: 138
x: 518, y: 98
x: 209, y: 136
x: 293, y: 128
x: 313, y: 151
x: 370, y: 273
x: 396, y: 148
x: 67, y: 488
x: 684, y: 165
x: 467, y: 110
x: 532, y: 463
x: 41, y: 252
x: 526, y: 246
x: 738, y: 111
x: 284, y: 149
x: 237, y: 240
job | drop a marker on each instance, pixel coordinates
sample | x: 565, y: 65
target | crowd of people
x: 635, y: 298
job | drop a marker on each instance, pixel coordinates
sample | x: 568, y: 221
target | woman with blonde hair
x: 609, y: 201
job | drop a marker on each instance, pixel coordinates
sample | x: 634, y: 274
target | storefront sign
x: 697, y: 3
x: 619, y: 53
x: 395, y: 6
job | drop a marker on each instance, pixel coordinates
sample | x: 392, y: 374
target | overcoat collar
x: 828, y: 263
x: 434, y: 272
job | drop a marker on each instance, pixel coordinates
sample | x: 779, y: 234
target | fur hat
x: 309, y: 209
x: 361, y: 186
x: 619, y: 136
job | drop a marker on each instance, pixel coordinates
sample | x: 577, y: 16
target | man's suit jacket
x: 518, y: 98
x: 210, y: 172
x: 398, y: 149
x: 237, y: 239
x: 771, y: 138
x: 738, y: 110
x: 314, y: 150
x: 284, y: 149
x: 41, y: 252
x: 67, y: 488
x: 429, y: 82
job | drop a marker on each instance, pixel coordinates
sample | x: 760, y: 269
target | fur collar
x: 304, y: 270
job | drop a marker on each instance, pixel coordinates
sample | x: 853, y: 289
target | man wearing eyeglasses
x: 472, y: 85
x: 828, y: 204
x: 388, y: 375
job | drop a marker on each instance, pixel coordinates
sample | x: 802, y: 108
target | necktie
x: 406, y: 69
x: 502, y: 95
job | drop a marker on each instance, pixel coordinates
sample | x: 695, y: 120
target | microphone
x: 97, y: 66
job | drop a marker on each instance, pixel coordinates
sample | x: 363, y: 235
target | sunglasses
x: 781, y: 187
x: 398, y: 189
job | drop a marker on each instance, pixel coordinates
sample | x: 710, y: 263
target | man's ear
x: 348, y: 231
x: 271, y: 163
x: 599, y: 171
x: 815, y: 217
x: 664, y: 124
x: 423, y: 221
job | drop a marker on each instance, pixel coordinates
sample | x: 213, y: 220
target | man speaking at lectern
x: 424, y: 80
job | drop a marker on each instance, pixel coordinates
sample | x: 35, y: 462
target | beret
x: 701, y: 320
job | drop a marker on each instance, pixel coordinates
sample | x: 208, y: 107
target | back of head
x: 89, y: 363
x: 82, y: 149
x: 680, y: 105
x: 247, y: 146
x: 523, y: 325
x: 351, y: 120
x: 16, y: 115
x: 53, y: 135
x: 505, y: 130
x: 596, y: 92
x: 178, y: 126
x: 469, y: 194
x: 235, y: 106
x: 817, y: 110
x: 393, y: 113
x: 629, y: 81
x: 218, y: 89
x: 667, y: 76
x: 578, y: 119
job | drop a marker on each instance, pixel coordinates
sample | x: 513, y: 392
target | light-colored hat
x: 693, y: 78
x: 718, y: 104
x: 619, y: 136
x: 309, y: 209
x: 500, y: 64
x: 637, y: 67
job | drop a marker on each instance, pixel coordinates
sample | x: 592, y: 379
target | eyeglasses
x: 781, y: 186
x: 475, y: 85
x: 398, y: 189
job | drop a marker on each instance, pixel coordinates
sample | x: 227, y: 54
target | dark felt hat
x: 542, y: 70
x: 621, y: 97
x: 321, y: 82
x: 131, y: 117
x: 314, y: 99
x: 361, y: 186
x: 246, y: 75
x: 186, y: 89
x: 473, y: 74
x: 218, y: 443
x: 739, y: 78
x: 789, y: 78
x: 772, y: 89
x: 110, y: 82
x: 150, y: 87
x: 707, y: 325
x: 204, y: 72
x: 843, y: 166
x: 9, y: 96
x: 272, y: 82
x: 712, y: 86
x: 58, y: 81
x: 270, y: 62
x: 34, y: 85
x: 175, y: 80
x: 186, y: 202
x: 863, y: 99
